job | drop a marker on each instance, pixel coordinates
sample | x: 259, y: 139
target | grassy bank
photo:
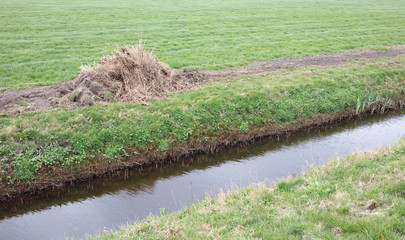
x: 357, y: 197
x: 46, y: 41
x: 43, y: 148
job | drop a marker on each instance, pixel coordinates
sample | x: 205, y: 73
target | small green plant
x: 358, y: 105
x: 24, y: 167
x: 318, y: 187
x: 162, y: 212
x: 163, y: 146
x: 114, y: 150
x: 244, y: 126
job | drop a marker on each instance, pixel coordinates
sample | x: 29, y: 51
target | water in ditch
x: 110, y: 202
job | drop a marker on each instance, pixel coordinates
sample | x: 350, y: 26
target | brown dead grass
x: 134, y: 75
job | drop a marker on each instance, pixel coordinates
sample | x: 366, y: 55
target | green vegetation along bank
x: 44, y: 42
x: 50, y: 148
x: 361, y: 196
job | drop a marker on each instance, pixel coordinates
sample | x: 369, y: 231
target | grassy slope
x: 328, y: 202
x: 44, y: 42
x: 40, y: 143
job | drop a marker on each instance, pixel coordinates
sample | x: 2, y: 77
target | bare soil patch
x: 134, y: 75
x: 318, y: 60
x: 128, y: 75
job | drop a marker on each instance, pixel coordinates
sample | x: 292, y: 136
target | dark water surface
x: 110, y: 202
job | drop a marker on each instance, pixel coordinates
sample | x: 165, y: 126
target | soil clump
x: 128, y: 75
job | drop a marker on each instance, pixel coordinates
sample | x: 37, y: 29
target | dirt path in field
x: 318, y: 60
x: 82, y: 91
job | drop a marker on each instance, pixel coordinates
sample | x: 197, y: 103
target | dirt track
x: 318, y: 60
x: 60, y: 95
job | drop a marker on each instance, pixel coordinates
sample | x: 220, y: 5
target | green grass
x: 327, y: 202
x: 46, y: 41
x: 49, y: 143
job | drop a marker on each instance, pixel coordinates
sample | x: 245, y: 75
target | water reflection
x: 112, y: 201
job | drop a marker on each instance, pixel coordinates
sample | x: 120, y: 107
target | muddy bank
x: 157, y: 158
x: 136, y: 76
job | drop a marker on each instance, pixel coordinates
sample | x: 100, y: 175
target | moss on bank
x: 361, y: 196
x: 61, y: 145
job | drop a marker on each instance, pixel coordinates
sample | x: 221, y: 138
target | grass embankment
x: 46, y: 42
x: 44, y: 148
x: 358, y: 197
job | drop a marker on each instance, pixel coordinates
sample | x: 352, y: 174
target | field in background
x: 45, y: 42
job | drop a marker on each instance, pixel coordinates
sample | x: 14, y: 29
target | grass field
x: 358, y: 197
x: 45, y: 42
x: 54, y: 144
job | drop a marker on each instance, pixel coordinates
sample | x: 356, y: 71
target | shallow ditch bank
x: 79, y: 145
x: 358, y: 196
x: 157, y: 159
